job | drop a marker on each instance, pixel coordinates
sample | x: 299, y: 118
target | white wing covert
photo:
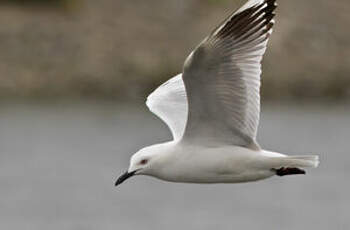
x: 222, y: 78
x: 169, y: 103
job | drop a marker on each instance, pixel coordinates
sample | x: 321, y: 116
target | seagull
x: 212, y: 109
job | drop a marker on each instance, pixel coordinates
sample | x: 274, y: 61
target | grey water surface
x: 59, y: 161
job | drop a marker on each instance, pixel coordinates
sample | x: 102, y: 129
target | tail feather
x: 303, y: 161
x: 308, y: 161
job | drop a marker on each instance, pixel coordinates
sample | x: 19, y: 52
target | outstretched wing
x: 222, y: 78
x: 169, y: 103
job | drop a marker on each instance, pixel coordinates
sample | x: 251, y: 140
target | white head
x: 144, y: 162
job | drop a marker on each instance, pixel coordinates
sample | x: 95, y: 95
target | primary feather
x: 222, y: 78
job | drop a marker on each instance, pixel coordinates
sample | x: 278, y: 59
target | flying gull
x: 212, y: 110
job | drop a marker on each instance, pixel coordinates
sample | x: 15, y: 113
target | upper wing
x: 222, y: 78
x: 169, y: 103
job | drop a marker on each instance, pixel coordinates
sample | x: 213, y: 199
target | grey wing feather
x: 222, y: 78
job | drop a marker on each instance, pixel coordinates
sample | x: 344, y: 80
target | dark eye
x: 143, y: 162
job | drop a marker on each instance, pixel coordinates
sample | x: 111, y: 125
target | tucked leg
x: 288, y: 171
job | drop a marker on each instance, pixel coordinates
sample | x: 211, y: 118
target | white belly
x: 229, y: 164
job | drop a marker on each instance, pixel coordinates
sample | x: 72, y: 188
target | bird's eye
x: 143, y: 162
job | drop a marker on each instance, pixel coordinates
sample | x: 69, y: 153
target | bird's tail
x: 302, y: 161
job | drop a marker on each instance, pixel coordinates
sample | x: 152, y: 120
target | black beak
x: 124, y: 177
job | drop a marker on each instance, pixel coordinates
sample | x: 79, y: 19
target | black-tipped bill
x: 124, y: 177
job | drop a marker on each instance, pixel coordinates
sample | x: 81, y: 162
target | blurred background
x: 74, y: 75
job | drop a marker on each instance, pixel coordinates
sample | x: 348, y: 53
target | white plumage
x: 169, y: 103
x: 213, y: 107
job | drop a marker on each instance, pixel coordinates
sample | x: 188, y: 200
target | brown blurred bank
x: 123, y: 49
